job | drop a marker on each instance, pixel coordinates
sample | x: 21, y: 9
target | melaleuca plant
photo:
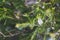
x: 34, y: 19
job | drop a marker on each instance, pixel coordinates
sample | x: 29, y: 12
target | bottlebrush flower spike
x: 30, y: 2
x: 40, y: 22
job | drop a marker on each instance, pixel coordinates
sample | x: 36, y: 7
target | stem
x: 34, y: 33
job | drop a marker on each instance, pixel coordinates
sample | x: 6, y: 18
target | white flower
x: 43, y: 7
x: 30, y: 2
x: 57, y: 33
x: 53, y: 28
x: 40, y: 22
